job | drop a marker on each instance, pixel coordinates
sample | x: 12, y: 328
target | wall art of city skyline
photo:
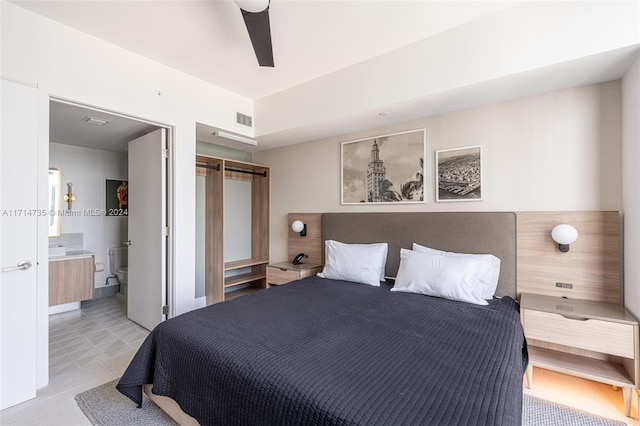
x: 384, y: 169
x: 459, y: 174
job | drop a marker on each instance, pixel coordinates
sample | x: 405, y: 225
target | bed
x: 322, y: 351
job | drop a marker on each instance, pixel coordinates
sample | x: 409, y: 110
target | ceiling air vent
x: 243, y: 119
x: 95, y: 120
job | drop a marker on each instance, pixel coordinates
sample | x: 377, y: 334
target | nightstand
x: 285, y: 272
x: 593, y: 340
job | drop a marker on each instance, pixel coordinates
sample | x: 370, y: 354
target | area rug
x: 105, y: 406
x: 538, y: 412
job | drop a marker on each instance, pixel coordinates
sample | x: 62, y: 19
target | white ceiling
x: 67, y: 126
x: 311, y: 40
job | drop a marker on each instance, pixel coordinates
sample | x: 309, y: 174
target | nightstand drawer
x: 590, y: 334
x: 278, y: 276
x: 285, y: 272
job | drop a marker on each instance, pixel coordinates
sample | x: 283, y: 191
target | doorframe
x: 47, y: 94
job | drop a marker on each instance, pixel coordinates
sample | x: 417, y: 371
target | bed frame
x: 171, y: 408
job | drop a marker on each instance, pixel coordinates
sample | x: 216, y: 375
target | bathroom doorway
x: 90, y: 147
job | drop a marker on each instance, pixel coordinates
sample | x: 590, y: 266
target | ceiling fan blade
x: 260, y: 34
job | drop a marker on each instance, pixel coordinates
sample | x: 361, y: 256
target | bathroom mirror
x: 55, y: 201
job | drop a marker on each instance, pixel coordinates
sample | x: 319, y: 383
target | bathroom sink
x: 57, y: 250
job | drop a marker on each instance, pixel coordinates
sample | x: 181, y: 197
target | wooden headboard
x: 592, y: 265
x: 464, y: 232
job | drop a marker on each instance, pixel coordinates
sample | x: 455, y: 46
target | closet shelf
x: 244, y: 263
x: 244, y: 278
x: 230, y: 295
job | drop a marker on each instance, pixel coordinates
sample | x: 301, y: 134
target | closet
x: 234, y: 205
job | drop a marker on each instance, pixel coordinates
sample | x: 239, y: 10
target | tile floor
x: 87, y: 347
x: 94, y: 345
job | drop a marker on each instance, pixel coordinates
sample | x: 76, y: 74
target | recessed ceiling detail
x: 67, y: 126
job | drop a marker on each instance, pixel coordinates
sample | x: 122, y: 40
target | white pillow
x: 449, y: 277
x: 361, y: 263
x: 487, y: 277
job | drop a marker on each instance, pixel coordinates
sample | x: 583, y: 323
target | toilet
x: 118, y: 267
x: 121, y: 273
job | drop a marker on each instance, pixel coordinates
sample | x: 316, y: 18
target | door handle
x: 23, y: 265
x: 127, y: 243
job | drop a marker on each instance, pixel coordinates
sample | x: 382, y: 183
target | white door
x: 147, y: 195
x: 18, y: 243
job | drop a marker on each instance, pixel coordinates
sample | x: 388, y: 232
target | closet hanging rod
x: 251, y: 172
x: 209, y: 166
x: 230, y: 169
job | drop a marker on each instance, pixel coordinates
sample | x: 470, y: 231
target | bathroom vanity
x: 71, y: 277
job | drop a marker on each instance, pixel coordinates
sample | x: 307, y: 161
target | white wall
x: 88, y: 169
x: 630, y: 186
x: 555, y: 151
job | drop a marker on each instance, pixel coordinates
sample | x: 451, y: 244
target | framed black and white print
x: 459, y: 174
x: 384, y: 169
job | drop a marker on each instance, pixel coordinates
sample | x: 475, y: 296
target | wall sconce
x: 300, y: 227
x: 69, y: 197
x: 564, y: 235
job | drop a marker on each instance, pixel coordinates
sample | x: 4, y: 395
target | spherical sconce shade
x: 297, y: 226
x: 300, y: 227
x: 564, y: 235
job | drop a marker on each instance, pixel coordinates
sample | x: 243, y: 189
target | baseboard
x: 200, y: 302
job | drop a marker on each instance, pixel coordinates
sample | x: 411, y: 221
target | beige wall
x: 555, y: 151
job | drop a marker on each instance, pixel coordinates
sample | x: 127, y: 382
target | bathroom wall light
x: 69, y: 197
x: 300, y: 227
x: 564, y: 235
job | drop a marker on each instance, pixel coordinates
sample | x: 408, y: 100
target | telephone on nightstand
x: 298, y: 259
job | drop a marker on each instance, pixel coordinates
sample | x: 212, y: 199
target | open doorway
x: 90, y: 147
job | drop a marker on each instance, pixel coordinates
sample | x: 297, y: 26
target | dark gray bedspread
x: 325, y: 352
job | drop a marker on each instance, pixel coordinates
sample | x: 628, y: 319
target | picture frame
x: 384, y: 169
x: 116, y: 197
x: 459, y: 174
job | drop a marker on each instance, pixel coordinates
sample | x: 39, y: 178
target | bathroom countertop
x: 72, y: 254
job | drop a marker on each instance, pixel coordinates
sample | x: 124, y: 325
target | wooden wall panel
x: 592, y: 264
x: 311, y: 245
